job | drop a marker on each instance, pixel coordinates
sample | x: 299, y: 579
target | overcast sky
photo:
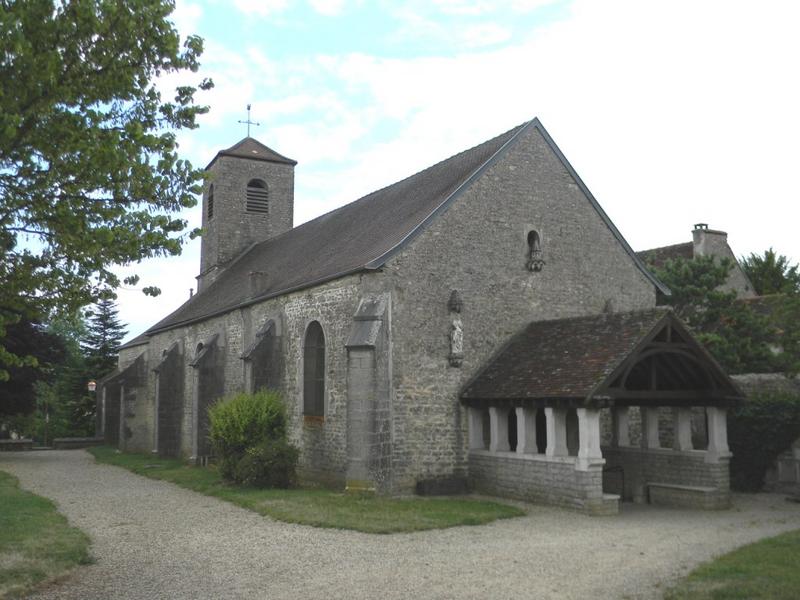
x: 672, y: 112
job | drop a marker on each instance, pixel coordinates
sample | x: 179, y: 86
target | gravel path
x: 153, y: 539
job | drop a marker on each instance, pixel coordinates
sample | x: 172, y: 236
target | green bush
x: 248, y: 434
x: 271, y: 464
x: 758, y: 431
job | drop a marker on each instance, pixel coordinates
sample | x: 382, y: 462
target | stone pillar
x: 717, y: 435
x: 526, y: 430
x: 195, y: 413
x: 589, y: 453
x: 556, y: 431
x: 121, y: 443
x: 650, y: 428
x: 476, y: 428
x: 103, y: 420
x: 620, y: 433
x: 361, y: 394
x: 498, y: 428
x: 155, y: 416
x: 682, y: 418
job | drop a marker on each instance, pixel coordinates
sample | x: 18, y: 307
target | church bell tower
x: 248, y: 198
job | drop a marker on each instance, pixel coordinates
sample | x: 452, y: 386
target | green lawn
x: 318, y: 507
x: 769, y: 569
x: 36, y: 543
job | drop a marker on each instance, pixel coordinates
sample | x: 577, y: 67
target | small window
x: 210, y: 203
x: 314, y: 371
x: 257, y: 196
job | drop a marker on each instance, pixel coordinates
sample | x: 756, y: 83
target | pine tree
x: 103, y: 337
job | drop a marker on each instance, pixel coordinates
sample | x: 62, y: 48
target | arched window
x: 210, y: 202
x: 314, y: 371
x: 257, y: 196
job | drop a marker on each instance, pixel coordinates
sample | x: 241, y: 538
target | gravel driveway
x: 153, y: 539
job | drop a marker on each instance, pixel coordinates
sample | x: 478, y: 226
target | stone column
x: 717, y: 435
x: 682, y: 419
x: 498, y: 428
x: 620, y: 433
x: 589, y: 453
x: 476, y: 429
x: 650, y: 428
x: 556, y: 431
x: 526, y: 430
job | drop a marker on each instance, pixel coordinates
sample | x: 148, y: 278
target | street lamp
x: 92, y: 385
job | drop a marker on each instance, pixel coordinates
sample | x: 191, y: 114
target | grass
x: 318, y: 507
x: 769, y: 569
x: 36, y: 542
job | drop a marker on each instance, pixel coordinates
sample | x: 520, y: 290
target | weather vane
x: 249, y: 122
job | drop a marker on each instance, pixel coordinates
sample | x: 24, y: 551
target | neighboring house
x: 476, y: 324
x: 705, y: 242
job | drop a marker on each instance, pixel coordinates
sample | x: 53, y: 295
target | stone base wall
x: 641, y: 467
x: 538, y: 478
x: 75, y: 443
x: 16, y: 445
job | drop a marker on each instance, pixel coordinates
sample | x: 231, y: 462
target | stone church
x: 481, y: 324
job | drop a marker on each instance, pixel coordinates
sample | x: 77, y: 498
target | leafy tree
x: 772, y: 273
x: 741, y: 339
x: 18, y: 394
x: 89, y: 171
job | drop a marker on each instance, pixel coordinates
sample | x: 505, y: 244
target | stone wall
x: 540, y: 479
x: 322, y: 443
x: 479, y: 247
x: 644, y: 466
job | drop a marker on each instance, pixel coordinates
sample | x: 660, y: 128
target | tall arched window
x: 257, y: 196
x: 314, y: 371
x: 210, y: 203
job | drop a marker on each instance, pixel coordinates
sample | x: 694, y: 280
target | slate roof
x: 137, y: 341
x: 564, y: 358
x: 255, y: 150
x: 361, y: 235
x: 659, y: 256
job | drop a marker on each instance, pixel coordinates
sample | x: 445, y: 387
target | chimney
x: 709, y: 242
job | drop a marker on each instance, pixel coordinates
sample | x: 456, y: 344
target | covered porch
x: 586, y: 411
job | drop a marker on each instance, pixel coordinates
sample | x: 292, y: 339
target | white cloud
x: 186, y: 17
x: 465, y: 7
x: 261, y: 8
x: 486, y: 34
x: 328, y: 8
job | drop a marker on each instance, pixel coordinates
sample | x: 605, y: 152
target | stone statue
x: 456, y: 343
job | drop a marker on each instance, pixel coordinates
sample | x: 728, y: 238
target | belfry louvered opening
x: 257, y: 196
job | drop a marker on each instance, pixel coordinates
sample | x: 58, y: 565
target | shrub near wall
x: 758, y: 431
x: 248, y: 433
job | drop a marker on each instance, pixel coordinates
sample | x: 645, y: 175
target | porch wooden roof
x: 645, y: 358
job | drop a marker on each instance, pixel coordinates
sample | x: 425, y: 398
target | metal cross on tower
x: 249, y: 122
